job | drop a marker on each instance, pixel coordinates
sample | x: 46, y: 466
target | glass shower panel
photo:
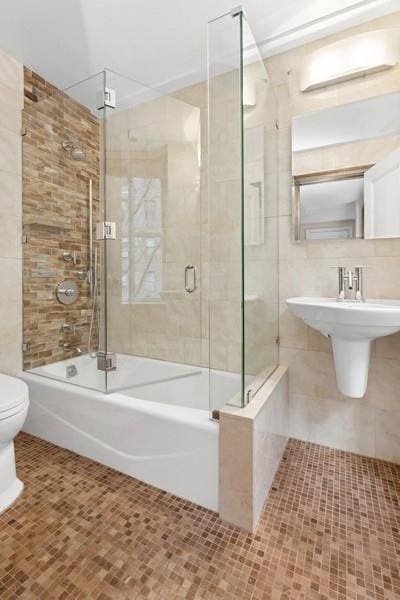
x: 153, y: 163
x: 260, y: 217
x: 243, y: 224
x: 225, y: 211
x: 62, y: 158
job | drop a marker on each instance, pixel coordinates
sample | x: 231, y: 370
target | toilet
x: 14, y: 404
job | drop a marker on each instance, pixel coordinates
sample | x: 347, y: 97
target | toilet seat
x: 14, y: 396
x: 6, y: 414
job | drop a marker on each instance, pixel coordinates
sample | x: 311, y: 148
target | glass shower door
x: 152, y: 175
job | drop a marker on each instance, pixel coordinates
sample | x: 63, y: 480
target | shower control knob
x: 83, y: 274
x: 73, y: 257
x: 67, y: 291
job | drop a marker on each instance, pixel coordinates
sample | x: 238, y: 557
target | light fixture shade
x: 356, y: 56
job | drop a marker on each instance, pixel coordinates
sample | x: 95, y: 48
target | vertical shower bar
x: 90, y: 270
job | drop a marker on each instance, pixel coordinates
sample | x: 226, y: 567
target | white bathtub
x: 155, y: 428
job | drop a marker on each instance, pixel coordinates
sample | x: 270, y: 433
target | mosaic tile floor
x: 330, y: 530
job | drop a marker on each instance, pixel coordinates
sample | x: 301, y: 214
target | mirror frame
x: 319, y: 177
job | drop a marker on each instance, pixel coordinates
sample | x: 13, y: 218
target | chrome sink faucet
x: 350, y: 284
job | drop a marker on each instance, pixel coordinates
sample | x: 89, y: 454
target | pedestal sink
x: 351, y: 326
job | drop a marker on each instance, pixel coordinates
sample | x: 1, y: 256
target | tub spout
x: 68, y: 348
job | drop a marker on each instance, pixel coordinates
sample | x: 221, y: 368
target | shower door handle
x: 190, y: 287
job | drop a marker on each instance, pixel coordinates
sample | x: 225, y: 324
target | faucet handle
x: 342, y: 275
x: 358, y: 272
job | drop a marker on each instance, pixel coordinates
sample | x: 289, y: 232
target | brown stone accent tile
x: 55, y: 216
x: 330, y: 530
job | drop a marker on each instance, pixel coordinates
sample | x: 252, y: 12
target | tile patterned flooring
x: 330, y: 530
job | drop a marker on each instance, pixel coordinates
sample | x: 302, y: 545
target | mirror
x: 346, y: 171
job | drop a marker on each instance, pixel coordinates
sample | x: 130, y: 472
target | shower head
x: 75, y: 148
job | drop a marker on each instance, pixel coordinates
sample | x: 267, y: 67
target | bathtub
x: 155, y: 426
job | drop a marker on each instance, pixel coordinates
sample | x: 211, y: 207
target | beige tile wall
x: 260, y: 256
x: 318, y: 412
x: 11, y: 99
x: 223, y: 224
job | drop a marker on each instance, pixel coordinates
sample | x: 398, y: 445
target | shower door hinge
x: 25, y: 238
x: 249, y: 395
x: 24, y: 131
x: 106, y: 98
x: 106, y: 361
x: 107, y: 230
x: 25, y: 347
x: 278, y: 340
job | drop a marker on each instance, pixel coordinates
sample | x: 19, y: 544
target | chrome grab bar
x: 190, y: 288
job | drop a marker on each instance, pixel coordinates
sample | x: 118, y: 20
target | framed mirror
x: 346, y: 171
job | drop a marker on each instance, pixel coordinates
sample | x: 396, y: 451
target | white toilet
x: 14, y: 404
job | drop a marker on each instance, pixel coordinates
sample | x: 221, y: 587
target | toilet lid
x: 13, y: 392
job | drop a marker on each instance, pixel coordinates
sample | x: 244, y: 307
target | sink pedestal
x: 351, y: 364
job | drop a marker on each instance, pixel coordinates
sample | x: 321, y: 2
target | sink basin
x: 351, y: 326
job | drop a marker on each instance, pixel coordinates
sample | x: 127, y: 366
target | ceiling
x: 158, y: 42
